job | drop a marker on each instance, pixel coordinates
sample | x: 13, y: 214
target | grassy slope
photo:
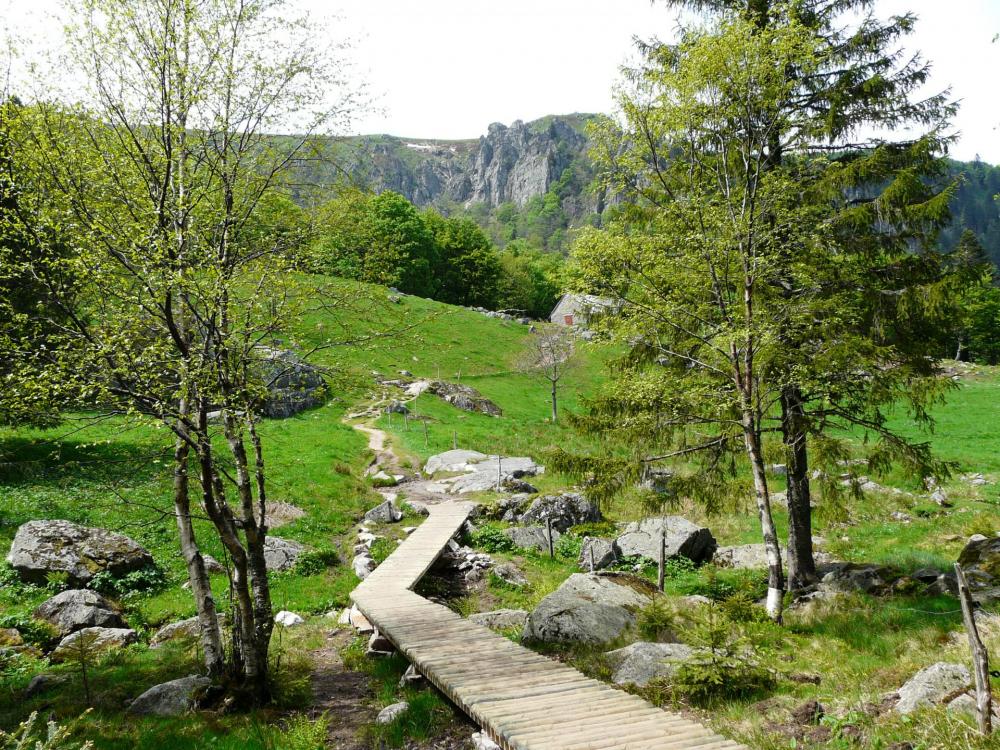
x: 315, y: 460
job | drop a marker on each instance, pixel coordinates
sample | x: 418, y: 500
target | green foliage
x: 32, y: 630
x: 382, y: 548
x: 36, y: 736
x: 656, y: 621
x: 146, y: 580
x: 725, y: 664
x: 569, y: 546
x: 315, y: 561
x: 490, y: 537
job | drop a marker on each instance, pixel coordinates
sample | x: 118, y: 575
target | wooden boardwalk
x: 523, y: 700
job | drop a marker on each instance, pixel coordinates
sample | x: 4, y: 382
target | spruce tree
x: 885, y: 193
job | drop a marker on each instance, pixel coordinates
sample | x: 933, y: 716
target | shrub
x: 656, y: 620
x: 316, y: 561
x: 491, y: 538
x: 35, y: 632
x: 725, y: 664
x: 740, y: 607
x: 568, y: 546
x: 127, y: 586
x: 595, y: 528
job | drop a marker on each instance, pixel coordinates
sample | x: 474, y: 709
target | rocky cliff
x: 510, y: 164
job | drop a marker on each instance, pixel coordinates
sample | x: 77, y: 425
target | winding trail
x: 523, y: 700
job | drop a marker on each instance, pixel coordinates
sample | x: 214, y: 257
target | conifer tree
x: 886, y: 192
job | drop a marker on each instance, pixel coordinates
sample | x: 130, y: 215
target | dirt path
x: 340, y: 694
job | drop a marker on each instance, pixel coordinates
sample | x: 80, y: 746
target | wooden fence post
x: 661, y: 574
x: 454, y: 440
x: 980, y: 657
x: 548, y: 530
x: 591, y: 556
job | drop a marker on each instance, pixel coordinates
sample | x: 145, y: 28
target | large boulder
x: 531, y: 537
x: 641, y: 662
x: 856, y: 577
x: 585, y: 609
x: 565, y: 511
x: 43, y: 547
x: 77, y: 609
x: 981, y: 562
x: 92, y: 641
x: 597, y: 553
x: 932, y: 686
x: 683, y: 539
x: 485, y: 474
x: 464, y: 397
x: 281, y: 554
x: 384, y: 513
x: 292, y: 384
x: 169, y: 698
x: 452, y: 461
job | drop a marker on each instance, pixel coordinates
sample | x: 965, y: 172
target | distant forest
x: 976, y: 207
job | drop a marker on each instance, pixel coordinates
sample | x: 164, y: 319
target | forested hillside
x: 535, y: 181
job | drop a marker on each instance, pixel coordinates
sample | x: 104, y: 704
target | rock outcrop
x: 500, y: 619
x: 281, y: 554
x: 585, y: 609
x: 641, y: 662
x: 43, y: 547
x: 933, y: 686
x: 565, y: 511
x: 169, y: 698
x: 683, y: 539
x: 981, y: 562
x: 92, y: 641
x: 76, y: 609
x: 293, y: 385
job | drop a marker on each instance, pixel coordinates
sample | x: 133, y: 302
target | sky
x: 448, y: 68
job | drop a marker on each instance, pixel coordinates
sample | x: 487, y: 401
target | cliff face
x: 507, y: 165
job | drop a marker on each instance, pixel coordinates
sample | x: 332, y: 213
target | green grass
x: 115, y: 473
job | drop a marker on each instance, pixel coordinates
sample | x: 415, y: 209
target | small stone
x: 500, y: 619
x: 288, y: 619
x: 100, y: 640
x: 482, y: 741
x: 363, y: 566
x: 359, y: 622
x: 390, y: 713
x: 384, y: 513
x: 410, y: 677
x: 42, y: 682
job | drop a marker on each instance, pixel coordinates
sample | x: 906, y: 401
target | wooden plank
x: 523, y: 700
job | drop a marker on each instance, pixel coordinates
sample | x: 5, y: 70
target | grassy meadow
x: 114, y: 472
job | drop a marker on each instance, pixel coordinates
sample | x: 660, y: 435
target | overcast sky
x: 448, y: 68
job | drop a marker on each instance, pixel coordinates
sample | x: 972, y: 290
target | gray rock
x: 451, y: 461
x: 100, y: 640
x: 385, y: 512
x: 585, y: 609
x: 485, y: 474
x: 531, y: 537
x: 565, y: 511
x: 281, y: 554
x: 390, y: 713
x: 293, y: 385
x: 848, y: 577
x: 169, y: 698
x: 43, y: 682
x: 410, y: 677
x: 932, y: 685
x: 601, y: 550
x: 397, y: 407
x: 683, y: 539
x: 363, y: 565
x: 500, y: 619
x: 464, y: 397
x: 510, y: 574
x: 288, y: 619
x: 641, y: 662
x: 188, y: 630
x: 981, y: 562
x: 77, y: 609
x: 744, y: 556
x: 43, y: 547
